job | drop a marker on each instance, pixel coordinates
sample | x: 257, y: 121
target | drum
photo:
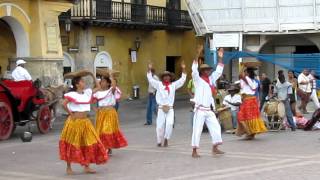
x: 271, y: 108
x: 225, y: 118
x: 281, y: 110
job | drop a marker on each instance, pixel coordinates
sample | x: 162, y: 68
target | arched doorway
x: 68, y: 63
x: 14, y: 41
x: 8, y: 46
x: 285, y: 44
x: 102, y: 60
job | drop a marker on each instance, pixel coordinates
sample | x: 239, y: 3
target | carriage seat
x: 23, y: 91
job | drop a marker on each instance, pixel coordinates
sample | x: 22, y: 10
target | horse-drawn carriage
x: 20, y: 103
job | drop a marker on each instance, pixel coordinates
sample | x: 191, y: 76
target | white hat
x: 20, y: 61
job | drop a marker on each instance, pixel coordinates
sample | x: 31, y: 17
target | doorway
x: 172, y: 64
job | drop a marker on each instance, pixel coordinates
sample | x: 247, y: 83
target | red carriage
x: 20, y: 103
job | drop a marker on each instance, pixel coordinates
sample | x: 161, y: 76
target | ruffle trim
x: 113, y: 141
x: 85, y: 155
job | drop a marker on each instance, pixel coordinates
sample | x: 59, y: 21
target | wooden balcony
x: 127, y: 15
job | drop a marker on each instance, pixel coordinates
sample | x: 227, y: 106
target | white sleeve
x: 251, y: 83
x: 154, y: 83
x: 217, y: 73
x: 225, y: 101
x: 27, y: 76
x: 290, y: 89
x: 238, y: 99
x: 195, y: 72
x: 118, y: 93
x: 179, y: 83
x: 300, y: 79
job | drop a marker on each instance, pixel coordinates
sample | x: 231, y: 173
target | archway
x: 102, y: 60
x: 68, y: 63
x: 285, y: 44
x: 15, y: 42
x: 8, y: 46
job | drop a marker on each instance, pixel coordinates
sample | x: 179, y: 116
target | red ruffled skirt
x: 107, y: 127
x: 249, y: 118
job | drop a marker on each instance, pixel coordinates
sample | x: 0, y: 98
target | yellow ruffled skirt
x: 107, y: 127
x: 79, y: 143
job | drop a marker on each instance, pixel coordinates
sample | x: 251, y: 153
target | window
x: 100, y: 40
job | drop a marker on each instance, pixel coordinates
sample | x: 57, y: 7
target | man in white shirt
x: 165, y: 99
x: 304, y: 89
x: 204, y: 103
x: 233, y: 101
x: 20, y: 73
x: 151, y: 104
x: 313, y: 95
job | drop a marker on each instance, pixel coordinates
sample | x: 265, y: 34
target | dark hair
x: 251, y: 73
x: 74, y: 82
x: 107, y: 79
x: 280, y: 72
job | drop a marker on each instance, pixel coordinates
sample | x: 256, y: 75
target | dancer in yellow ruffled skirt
x: 79, y: 142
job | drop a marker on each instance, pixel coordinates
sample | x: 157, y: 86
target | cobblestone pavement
x: 281, y: 155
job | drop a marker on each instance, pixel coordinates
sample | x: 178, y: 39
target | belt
x: 105, y: 107
x: 79, y: 114
x: 160, y: 107
x: 203, y: 108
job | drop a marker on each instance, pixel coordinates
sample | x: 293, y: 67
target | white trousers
x: 315, y: 99
x: 164, y: 125
x: 208, y: 117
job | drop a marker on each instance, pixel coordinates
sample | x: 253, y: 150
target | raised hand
x: 183, y: 65
x: 220, y: 53
x: 150, y: 66
x: 199, y: 49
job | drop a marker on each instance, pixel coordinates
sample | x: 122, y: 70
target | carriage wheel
x: 6, y: 121
x: 44, y: 119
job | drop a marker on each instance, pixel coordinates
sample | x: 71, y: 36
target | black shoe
x: 293, y: 129
x: 147, y: 124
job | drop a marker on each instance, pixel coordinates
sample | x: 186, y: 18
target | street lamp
x: 137, y: 43
x: 68, y: 25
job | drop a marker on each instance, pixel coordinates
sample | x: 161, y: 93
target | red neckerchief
x: 207, y: 80
x: 166, y: 84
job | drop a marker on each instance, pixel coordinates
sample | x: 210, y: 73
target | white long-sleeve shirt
x: 21, y: 74
x: 162, y: 95
x: 203, y: 93
x: 250, y: 88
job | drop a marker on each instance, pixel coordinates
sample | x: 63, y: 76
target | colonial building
x: 127, y: 35
x: 262, y: 26
x: 29, y: 29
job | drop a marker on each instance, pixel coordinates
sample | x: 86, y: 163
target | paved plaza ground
x: 281, y: 155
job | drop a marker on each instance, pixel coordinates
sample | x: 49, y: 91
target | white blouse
x: 79, y: 102
x: 250, y: 88
x: 107, y: 98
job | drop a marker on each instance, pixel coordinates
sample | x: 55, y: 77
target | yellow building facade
x: 29, y: 29
x: 121, y: 30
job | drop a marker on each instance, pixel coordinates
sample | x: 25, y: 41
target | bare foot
x: 217, y: 152
x: 165, y: 144
x: 88, y: 170
x: 195, y: 153
x: 69, y: 171
x: 249, y: 137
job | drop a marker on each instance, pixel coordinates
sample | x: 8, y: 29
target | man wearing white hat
x: 20, y: 73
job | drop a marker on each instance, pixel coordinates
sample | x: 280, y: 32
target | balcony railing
x: 107, y: 11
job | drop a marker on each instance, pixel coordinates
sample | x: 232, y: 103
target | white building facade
x: 263, y: 26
